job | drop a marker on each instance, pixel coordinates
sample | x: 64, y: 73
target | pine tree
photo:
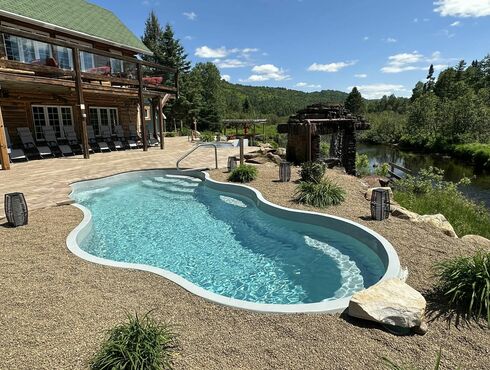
x: 173, y: 52
x: 354, y: 102
x: 152, y: 38
x: 429, y: 85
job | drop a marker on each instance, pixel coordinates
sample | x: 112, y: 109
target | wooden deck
x: 47, y: 182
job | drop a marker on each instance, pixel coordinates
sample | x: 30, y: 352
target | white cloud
x: 307, y: 85
x: 266, y: 72
x: 227, y: 78
x: 414, y: 62
x: 391, y: 40
x: 455, y: 24
x: 330, y: 67
x: 207, y: 52
x: 376, y: 91
x: 230, y: 63
x: 360, y: 75
x: 462, y: 8
x: 188, y: 37
x: 365, y: 38
x: 150, y: 2
x: 190, y: 15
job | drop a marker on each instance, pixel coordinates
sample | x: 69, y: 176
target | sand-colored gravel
x: 54, y: 307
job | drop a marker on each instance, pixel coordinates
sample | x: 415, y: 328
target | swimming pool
x: 226, y: 243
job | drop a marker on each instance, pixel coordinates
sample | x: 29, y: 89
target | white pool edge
x: 333, y: 306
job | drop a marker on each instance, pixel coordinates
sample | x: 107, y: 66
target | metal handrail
x: 195, y: 148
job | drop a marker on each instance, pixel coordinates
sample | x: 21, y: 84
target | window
x: 86, y: 61
x: 54, y: 116
x: 36, y: 52
x: 116, y: 66
x: 103, y: 116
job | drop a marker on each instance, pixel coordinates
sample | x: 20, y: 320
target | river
x: 454, y: 169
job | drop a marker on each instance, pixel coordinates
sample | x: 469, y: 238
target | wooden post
x: 160, y: 122
x: 308, y: 146
x: 81, y: 103
x: 142, y: 108
x: 242, y: 156
x: 4, y: 156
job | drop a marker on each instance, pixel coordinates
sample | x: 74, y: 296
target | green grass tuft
x: 466, y: 282
x: 243, y: 173
x: 139, y: 343
x: 320, y: 194
x: 312, y: 171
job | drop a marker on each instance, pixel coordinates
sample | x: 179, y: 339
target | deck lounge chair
x: 30, y: 147
x: 14, y: 154
x: 105, y: 132
x: 52, y: 141
x: 97, y: 146
x: 119, y: 132
x: 72, y: 140
x: 133, y: 135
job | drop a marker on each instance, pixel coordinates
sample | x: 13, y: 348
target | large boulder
x: 403, y: 213
x: 439, y: 222
x: 281, y: 152
x: 274, y: 158
x: 390, y: 302
x: 477, y: 240
x: 369, y: 192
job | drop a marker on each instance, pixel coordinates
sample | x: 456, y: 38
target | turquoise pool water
x: 221, y: 241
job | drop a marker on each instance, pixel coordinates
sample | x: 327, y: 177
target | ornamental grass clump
x: 465, y: 281
x: 312, y: 171
x: 139, y: 343
x: 320, y: 194
x: 243, y: 173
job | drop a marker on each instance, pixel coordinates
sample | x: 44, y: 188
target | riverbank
x: 56, y: 307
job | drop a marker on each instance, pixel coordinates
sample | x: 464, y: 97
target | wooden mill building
x: 74, y: 63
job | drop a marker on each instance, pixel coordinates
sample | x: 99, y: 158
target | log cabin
x: 73, y: 63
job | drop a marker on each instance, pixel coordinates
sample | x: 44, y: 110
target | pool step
x: 180, y: 182
x: 167, y: 187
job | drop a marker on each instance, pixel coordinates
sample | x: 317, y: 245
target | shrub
x: 170, y: 134
x: 312, y: 171
x: 325, y: 149
x: 382, y: 170
x: 466, y: 282
x: 320, y: 194
x: 243, y: 173
x: 478, y: 153
x: 207, y: 137
x: 140, y: 343
x: 362, y: 165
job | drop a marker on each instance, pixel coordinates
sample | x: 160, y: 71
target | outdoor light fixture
x: 380, y: 204
x: 232, y: 162
x: 284, y: 171
x: 16, y: 209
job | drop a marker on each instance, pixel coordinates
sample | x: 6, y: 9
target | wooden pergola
x: 245, y: 124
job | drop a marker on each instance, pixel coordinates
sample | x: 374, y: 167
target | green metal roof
x: 77, y: 16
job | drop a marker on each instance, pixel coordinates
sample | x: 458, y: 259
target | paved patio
x: 47, y: 182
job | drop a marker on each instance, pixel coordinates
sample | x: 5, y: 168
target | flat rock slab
x: 390, y: 302
x: 477, y: 240
x: 437, y: 221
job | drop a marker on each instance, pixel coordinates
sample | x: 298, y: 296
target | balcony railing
x: 36, y: 55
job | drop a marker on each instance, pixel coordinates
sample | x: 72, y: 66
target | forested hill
x: 241, y: 100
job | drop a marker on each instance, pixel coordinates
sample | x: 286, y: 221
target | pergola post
x: 142, y: 108
x: 81, y: 103
x: 160, y: 122
x: 4, y: 156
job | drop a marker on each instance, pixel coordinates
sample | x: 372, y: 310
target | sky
x: 380, y: 46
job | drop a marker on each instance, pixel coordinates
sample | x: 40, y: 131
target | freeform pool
x: 226, y: 243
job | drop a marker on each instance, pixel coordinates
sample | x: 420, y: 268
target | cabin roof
x: 77, y: 17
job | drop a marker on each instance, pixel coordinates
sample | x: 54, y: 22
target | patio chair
x: 105, y: 132
x: 52, y: 141
x: 30, y: 147
x: 14, y: 154
x: 72, y: 140
x: 133, y: 135
x: 97, y: 146
x: 119, y: 132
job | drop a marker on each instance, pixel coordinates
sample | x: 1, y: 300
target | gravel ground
x: 55, y: 307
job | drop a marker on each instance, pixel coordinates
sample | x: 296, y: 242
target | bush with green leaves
x: 312, y: 171
x: 320, y: 194
x: 382, y: 169
x: 139, y: 343
x: 325, y: 149
x: 170, y: 134
x: 465, y: 281
x: 243, y: 173
x: 207, y: 137
x: 362, y: 165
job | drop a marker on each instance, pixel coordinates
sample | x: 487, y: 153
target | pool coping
x: 332, y: 306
